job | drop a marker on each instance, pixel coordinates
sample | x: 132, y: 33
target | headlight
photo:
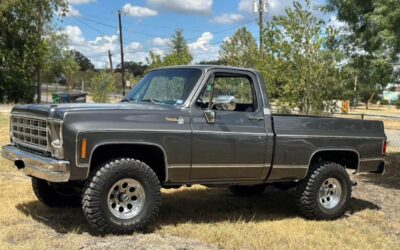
x: 56, y: 139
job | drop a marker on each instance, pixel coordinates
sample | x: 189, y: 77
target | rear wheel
x: 55, y: 195
x: 247, y: 190
x: 122, y: 196
x: 325, y: 193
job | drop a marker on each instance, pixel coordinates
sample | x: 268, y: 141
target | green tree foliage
x: 58, y: 61
x: 240, y: 50
x: 70, y: 68
x: 371, y: 73
x: 374, y: 24
x: 84, y: 63
x: 300, y: 63
x: 22, y: 48
x: 213, y: 62
x: 136, y: 69
x: 372, y: 42
x: 102, y: 85
x: 179, y: 55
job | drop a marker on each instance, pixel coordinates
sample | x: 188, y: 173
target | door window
x: 237, y: 88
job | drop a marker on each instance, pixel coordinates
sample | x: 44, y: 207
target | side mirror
x: 210, y: 116
x: 225, y: 102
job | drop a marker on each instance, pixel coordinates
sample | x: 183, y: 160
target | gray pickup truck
x: 185, y: 125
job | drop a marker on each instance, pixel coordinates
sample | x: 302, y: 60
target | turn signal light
x: 83, y: 148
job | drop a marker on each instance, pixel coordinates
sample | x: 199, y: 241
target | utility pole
x: 110, y: 60
x: 261, y: 8
x: 122, y: 54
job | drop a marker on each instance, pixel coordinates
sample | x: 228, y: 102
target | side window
x: 238, y: 88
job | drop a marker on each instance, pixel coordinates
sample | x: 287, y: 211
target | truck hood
x: 58, y: 110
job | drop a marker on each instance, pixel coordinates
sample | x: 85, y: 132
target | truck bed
x: 299, y: 138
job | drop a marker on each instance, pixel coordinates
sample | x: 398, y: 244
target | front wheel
x: 122, y: 196
x: 325, y: 193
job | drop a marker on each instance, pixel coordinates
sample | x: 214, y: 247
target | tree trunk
x: 369, y: 100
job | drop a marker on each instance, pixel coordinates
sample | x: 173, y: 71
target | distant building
x: 391, y: 92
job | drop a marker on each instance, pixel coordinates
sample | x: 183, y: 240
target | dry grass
x: 198, y: 218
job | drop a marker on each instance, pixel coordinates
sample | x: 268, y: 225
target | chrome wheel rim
x: 330, y: 193
x: 126, y: 198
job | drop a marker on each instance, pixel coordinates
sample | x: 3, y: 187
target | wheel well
x: 150, y: 154
x: 346, y: 158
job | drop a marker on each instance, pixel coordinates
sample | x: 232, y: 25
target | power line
x: 89, y: 26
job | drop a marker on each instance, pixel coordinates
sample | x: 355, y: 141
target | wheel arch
x: 137, y: 150
x: 347, y: 157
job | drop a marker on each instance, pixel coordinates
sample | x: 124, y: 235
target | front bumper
x: 42, y: 167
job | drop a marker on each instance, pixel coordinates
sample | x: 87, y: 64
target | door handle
x: 256, y: 118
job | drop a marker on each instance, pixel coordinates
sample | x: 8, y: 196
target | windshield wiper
x: 155, y: 101
x: 127, y: 100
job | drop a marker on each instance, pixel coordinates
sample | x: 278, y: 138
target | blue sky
x: 92, y: 25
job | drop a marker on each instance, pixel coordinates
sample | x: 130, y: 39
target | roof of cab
x: 207, y: 67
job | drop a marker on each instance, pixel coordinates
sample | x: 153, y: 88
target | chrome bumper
x: 45, y: 168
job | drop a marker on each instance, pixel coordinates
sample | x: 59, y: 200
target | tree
x: 372, y: 42
x: 102, y: 85
x: 136, y: 69
x: 84, y: 63
x: 301, y: 60
x: 154, y: 60
x: 179, y: 54
x: 374, y: 24
x: 213, y: 62
x: 22, y: 47
x: 70, y: 67
x: 240, y: 50
x: 371, y: 73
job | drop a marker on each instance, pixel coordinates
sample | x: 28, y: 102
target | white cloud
x: 202, y: 41
x: 158, y: 51
x: 202, y: 50
x: 202, y: 7
x: 277, y: 8
x: 159, y: 41
x: 246, y: 6
x: 80, y: 1
x: 139, y: 56
x: 134, y: 46
x: 97, y: 50
x: 138, y: 11
x: 228, y: 19
x: 75, y: 35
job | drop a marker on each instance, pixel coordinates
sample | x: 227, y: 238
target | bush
x: 102, y: 85
x: 384, y: 102
x: 397, y: 104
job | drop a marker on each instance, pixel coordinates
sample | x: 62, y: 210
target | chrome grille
x: 30, y: 132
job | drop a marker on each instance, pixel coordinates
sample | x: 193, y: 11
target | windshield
x: 165, y: 86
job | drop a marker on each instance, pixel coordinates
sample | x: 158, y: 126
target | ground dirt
x: 203, y: 218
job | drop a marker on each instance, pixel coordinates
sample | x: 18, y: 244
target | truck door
x: 234, y: 144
